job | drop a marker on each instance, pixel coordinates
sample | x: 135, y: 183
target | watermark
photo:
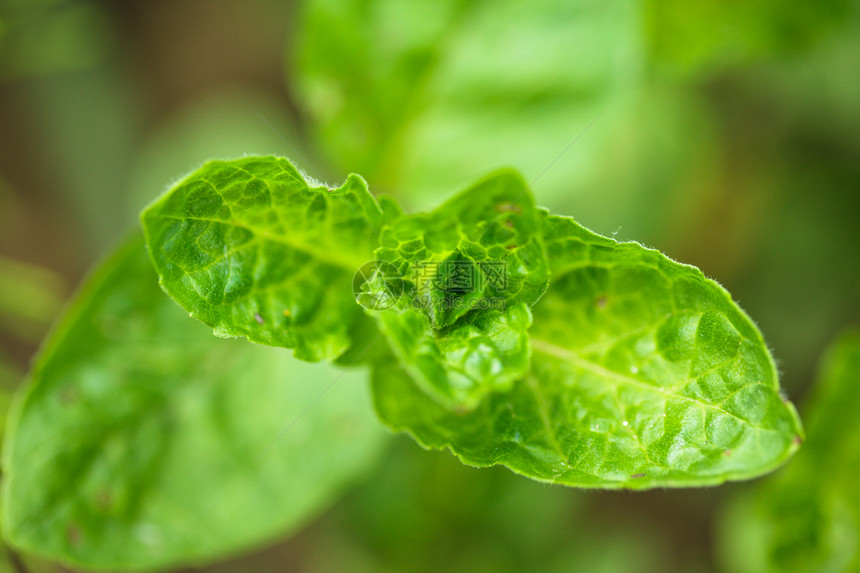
x: 452, y: 284
x: 459, y: 302
x: 459, y: 277
x: 377, y: 285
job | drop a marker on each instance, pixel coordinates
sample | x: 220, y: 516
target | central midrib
x: 324, y: 256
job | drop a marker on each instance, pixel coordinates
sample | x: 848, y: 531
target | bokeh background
x: 724, y: 133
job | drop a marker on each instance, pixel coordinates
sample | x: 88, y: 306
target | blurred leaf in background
x: 424, y: 97
x: 30, y: 298
x: 82, y: 107
x: 807, y: 517
x: 427, y: 512
x: 142, y: 441
x: 712, y: 35
x: 41, y: 37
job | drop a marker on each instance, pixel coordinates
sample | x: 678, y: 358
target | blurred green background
x: 724, y: 133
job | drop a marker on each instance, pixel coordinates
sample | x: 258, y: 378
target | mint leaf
x: 143, y: 442
x: 420, y: 98
x: 461, y: 365
x: 481, y: 244
x: 807, y: 517
x: 644, y: 374
x: 467, y: 273
x: 253, y: 249
x: 391, y: 209
x: 719, y: 34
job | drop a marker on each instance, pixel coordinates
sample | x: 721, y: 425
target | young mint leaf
x: 807, y: 517
x: 481, y: 245
x: 143, y: 442
x: 466, y: 274
x: 254, y: 249
x: 460, y: 365
x: 644, y: 374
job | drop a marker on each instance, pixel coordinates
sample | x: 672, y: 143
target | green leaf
x: 143, y: 442
x: 426, y: 96
x: 459, y: 366
x: 644, y: 374
x: 807, y: 518
x: 391, y: 209
x: 482, y: 244
x: 422, y: 97
x: 468, y: 272
x: 714, y: 34
x: 254, y: 249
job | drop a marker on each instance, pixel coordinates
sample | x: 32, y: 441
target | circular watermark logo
x: 377, y: 285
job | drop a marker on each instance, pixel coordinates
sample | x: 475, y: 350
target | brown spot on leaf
x: 508, y: 223
x: 509, y: 247
x: 600, y: 302
x: 258, y: 317
x: 74, y: 534
x: 797, y: 440
x: 637, y: 476
x: 727, y: 453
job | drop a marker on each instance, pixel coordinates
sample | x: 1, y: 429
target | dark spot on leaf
x: 509, y: 247
x: 258, y: 318
x: 727, y: 453
x: 508, y: 223
x: 637, y: 476
x: 508, y: 207
x: 600, y: 302
x: 74, y: 534
x: 797, y: 440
